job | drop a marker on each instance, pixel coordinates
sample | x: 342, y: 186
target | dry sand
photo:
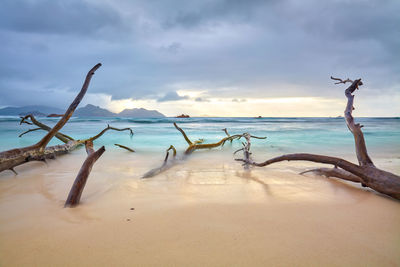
x: 206, y: 212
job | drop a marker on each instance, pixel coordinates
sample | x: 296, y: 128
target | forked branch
x: 62, y: 137
x: 15, y: 157
x: 365, y: 173
x: 46, y: 139
x: 341, y: 81
x: 65, y: 138
x: 109, y: 128
x: 193, y: 146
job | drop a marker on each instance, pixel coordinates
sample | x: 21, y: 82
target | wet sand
x: 205, y: 212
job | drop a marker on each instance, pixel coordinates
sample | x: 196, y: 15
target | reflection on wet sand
x: 208, y: 205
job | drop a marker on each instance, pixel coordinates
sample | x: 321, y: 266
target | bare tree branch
x: 46, y: 139
x: 15, y: 157
x: 365, y: 173
x: 193, y: 146
x: 342, y: 81
x: 335, y: 172
x: 75, y: 193
x: 110, y: 128
x: 184, y: 134
x: 125, y: 147
x: 62, y: 137
x: 28, y: 131
x: 165, y: 166
x: 355, y: 129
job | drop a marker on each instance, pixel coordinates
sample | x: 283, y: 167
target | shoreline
x: 207, y: 211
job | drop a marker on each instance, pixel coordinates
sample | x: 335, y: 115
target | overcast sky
x: 210, y: 57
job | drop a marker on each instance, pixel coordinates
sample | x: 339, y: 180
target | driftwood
x: 365, y: 172
x: 165, y: 166
x: 245, y: 149
x: 125, y: 147
x: 39, y: 152
x: 15, y: 157
x: 196, y: 145
x: 63, y: 137
x: 69, y: 142
x: 75, y: 193
x: 31, y: 120
x: 193, y: 146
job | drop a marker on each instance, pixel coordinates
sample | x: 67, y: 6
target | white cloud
x: 205, y: 50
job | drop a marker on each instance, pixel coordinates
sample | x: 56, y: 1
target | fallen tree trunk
x: 69, y: 143
x: 75, y: 193
x: 199, y: 144
x: 365, y: 172
x: 165, y: 166
x: 193, y: 146
x: 15, y: 157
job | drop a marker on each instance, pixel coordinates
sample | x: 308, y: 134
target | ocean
x: 284, y: 135
x: 207, y: 204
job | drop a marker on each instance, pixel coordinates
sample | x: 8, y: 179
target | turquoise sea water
x: 284, y: 135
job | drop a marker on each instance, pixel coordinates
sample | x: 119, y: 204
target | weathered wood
x: 125, y: 147
x: 246, y: 150
x: 62, y: 137
x: 199, y: 145
x: 335, y: 172
x: 110, y: 128
x: 355, y: 129
x: 65, y: 138
x: 69, y: 142
x: 15, y: 157
x: 193, y: 146
x: 75, y: 193
x: 365, y: 172
x: 165, y: 166
x: 28, y: 131
x: 183, y: 134
x: 46, y: 139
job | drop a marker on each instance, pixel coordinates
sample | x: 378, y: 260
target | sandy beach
x: 253, y: 102
x: 207, y: 211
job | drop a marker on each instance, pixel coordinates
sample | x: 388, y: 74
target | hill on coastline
x: 140, y: 113
x: 93, y: 111
x: 86, y: 111
x: 32, y: 109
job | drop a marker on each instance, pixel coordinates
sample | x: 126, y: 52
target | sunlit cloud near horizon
x: 203, y: 58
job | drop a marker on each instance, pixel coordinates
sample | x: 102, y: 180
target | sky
x: 203, y: 58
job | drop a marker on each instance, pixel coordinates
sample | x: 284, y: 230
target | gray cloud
x: 201, y: 99
x: 213, y: 12
x: 239, y: 100
x: 57, y: 17
x: 231, y: 48
x: 172, y: 48
x: 171, y: 96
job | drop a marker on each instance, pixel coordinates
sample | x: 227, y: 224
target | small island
x: 183, y: 116
x: 53, y: 115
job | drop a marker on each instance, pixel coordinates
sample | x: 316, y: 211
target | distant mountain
x: 16, y: 111
x: 87, y: 111
x: 140, y: 113
x: 34, y: 113
x: 93, y: 111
